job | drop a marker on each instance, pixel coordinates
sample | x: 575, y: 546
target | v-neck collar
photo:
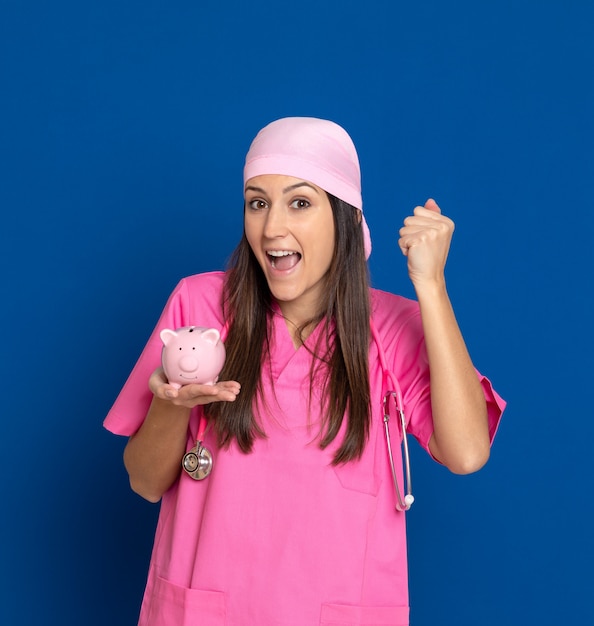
x: 282, y: 350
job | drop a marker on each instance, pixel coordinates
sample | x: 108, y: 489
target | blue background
x: 123, y: 127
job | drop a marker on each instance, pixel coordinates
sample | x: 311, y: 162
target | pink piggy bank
x: 192, y: 354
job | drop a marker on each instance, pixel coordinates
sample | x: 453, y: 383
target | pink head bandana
x: 315, y: 150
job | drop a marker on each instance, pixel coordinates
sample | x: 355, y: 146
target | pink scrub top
x: 281, y: 537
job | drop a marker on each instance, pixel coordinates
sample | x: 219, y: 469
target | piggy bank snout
x: 188, y: 363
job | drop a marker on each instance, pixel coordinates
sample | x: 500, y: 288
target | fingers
x: 192, y: 395
x: 426, y: 219
x: 224, y: 391
x: 420, y: 230
x: 430, y: 211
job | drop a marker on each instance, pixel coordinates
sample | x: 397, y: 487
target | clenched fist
x: 425, y: 241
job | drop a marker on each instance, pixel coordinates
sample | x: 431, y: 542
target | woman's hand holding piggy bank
x: 192, y: 358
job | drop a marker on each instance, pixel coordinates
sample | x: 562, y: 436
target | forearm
x: 461, y: 435
x: 153, y: 455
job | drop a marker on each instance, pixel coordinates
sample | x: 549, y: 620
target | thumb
x: 432, y: 205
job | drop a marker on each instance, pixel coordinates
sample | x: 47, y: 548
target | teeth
x: 279, y: 253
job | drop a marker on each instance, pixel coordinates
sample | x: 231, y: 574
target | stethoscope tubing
x: 395, y: 394
x: 402, y: 503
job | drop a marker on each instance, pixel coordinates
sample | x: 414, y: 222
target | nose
x: 276, y: 223
x: 188, y: 363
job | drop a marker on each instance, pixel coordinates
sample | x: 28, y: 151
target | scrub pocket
x: 172, y: 605
x: 343, y: 615
x: 355, y: 476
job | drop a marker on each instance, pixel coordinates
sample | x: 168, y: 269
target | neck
x: 300, y: 321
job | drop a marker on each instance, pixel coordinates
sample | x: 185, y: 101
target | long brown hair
x: 341, y: 350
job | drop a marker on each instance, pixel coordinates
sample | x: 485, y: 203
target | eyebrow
x: 285, y: 190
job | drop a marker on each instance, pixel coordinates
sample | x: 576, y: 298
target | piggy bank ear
x: 212, y: 335
x: 167, y: 335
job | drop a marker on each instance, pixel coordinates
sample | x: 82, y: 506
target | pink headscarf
x: 315, y: 150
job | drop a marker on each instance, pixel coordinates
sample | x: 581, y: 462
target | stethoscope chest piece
x: 197, y: 463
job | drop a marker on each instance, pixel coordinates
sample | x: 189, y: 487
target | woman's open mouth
x: 283, y: 260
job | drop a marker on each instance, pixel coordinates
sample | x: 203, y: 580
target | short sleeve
x: 195, y: 301
x: 421, y: 422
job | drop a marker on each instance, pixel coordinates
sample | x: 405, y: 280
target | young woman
x: 296, y: 524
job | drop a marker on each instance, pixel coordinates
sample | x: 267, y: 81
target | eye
x: 256, y: 204
x: 300, y: 203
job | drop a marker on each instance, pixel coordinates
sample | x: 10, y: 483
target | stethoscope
x: 402, y: 504
x: 394, y: 395
x: 197, y: 462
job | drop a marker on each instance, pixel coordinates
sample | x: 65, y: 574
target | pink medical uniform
x: 281, y: 537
